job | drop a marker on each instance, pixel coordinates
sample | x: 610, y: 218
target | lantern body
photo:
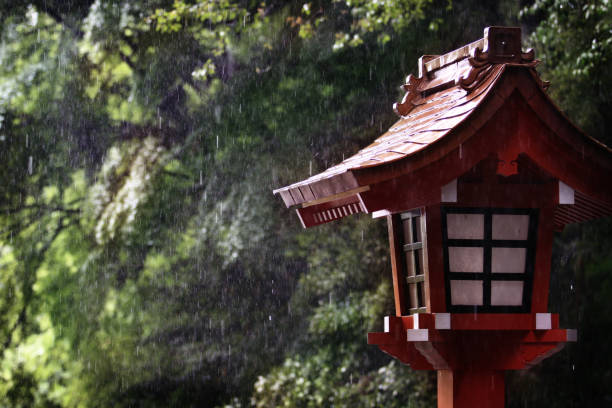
x: 486, y: 251
x: 473, y: 179
x: 471, y: 294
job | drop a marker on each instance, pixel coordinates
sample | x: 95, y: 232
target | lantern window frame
x: 414, y: 252
x: 488, y: 243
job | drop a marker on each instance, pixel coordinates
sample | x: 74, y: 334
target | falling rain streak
x: 144, y: 264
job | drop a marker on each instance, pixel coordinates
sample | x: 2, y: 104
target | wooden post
x: 394, y: 224
x: 469, y: 389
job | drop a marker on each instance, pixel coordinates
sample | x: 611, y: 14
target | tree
x: 144, y: 260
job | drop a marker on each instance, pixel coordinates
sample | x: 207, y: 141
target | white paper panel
x: 566, y: 194
x: 506, y: 293
x: 466, y: 292
x: 510, y: 226
x: 509, y: 260
x: 465, y: 259
x: 465, y: 226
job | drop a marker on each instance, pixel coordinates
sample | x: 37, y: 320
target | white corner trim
x: 543, y: 321
x: 380, y: 213
x: 417, y: 334
x: 443, y: 321
x: 449, y: 192
x: 566, y: 194
x: 415, y: 321
x: 386, y: 324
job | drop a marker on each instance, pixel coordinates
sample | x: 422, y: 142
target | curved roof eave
x: 340, y: 181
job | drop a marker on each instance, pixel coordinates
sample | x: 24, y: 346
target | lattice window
x: 489, y: 258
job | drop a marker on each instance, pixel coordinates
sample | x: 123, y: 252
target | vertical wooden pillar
x: 469, y: 389
x: 543, y: 260
x: 394, y: 224
x: 434, y: 280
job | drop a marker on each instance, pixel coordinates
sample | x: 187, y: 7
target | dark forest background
x: 143, y: 258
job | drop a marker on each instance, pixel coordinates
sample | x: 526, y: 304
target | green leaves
x: 124, y: 183
x: 144, y: 259
x: 574, y: 40
x: 381, y: 19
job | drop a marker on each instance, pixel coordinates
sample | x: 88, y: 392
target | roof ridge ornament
x: 502, y: 45
x: 412, y: 95
x: 499, y: 45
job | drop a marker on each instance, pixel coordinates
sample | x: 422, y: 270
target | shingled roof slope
x: 447, y: 91
x: 431, y: 118
x: 451, y: 90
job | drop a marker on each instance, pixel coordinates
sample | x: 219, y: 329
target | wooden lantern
x: 473, y: 179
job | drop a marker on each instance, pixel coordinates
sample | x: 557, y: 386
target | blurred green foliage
x: 144, y: 260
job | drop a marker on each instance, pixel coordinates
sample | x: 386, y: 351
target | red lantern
x: 473, y: 179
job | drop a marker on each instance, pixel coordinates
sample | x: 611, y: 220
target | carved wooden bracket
x: 475, y: 75
x: 412, y: 94
x: 499, y: 45
x: 481, y: 63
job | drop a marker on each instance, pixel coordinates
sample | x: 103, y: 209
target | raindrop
x: 27, y: 140
x: 310, y: 168
x: 30, y: 166
x: 201, y: 182
x: 217, y: 141
x: 270, y: 317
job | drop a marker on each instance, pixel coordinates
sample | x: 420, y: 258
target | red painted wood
x: 470, y: 389
x: 543, y: 255
x: 475, y: 342
x: 507, y: 195
x: 435, y: 276
x: 473, y: 350
x: 407, y: 322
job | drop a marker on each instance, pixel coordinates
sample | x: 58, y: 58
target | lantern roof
x: 452, y: 98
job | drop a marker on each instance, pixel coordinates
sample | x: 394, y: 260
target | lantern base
x: 471, y: 352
